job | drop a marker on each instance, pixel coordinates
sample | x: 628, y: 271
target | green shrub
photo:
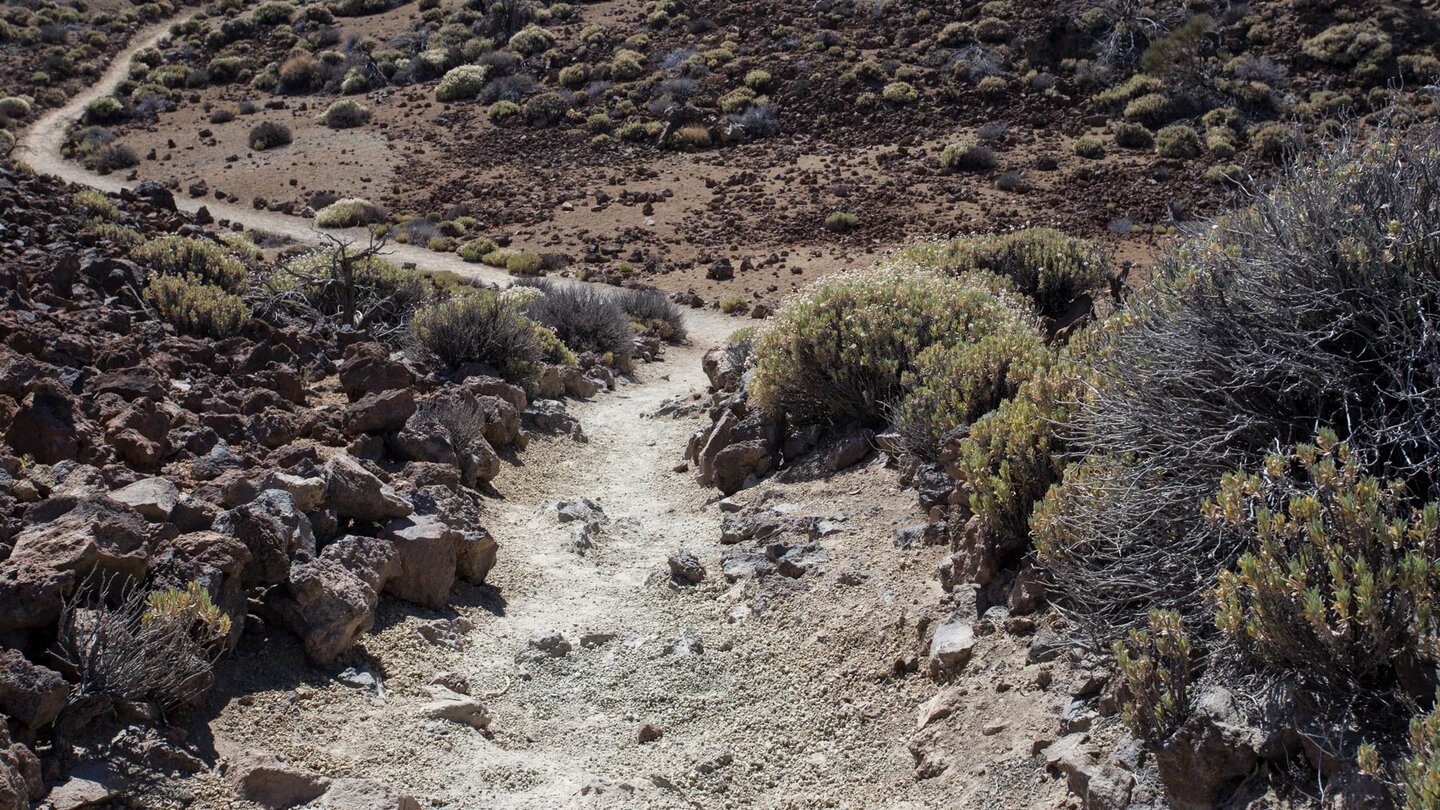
x: 268, y: 135
x: 954, y: 383
x: 1089, y: 146
x: 1177, y: 141
x: 524, y: 264
x: 349, y: 213
x: 225, y: 69
x: 626, y: 65
x: 691, y: 137
x: 345, y: 114
x: 199, y: 259
x: 992, y: 86
x: 463, y: 83
x: 1132, y: 136
x: 758, y: 80
x: 841, y: 222
x: 96, y: 204
x: 105, y: 110
x: 1274, y: 141
x: 1047, y: 266
x: 196, y: 308
x: 900, y: 93
x: 545, y: 109
x: 573, y: 76
x: 531, y: 39
x: 355, y: 81
x: 840, y: 352
x: 477, y: 250
x: 478, y: 329
x: 1154, y: 677
x: 1359, y: 46
x: 14, y: 108
x: 1151, y: 109
x: 732, y: 304
x: 1178, y: 49
x: 502, y: 111
x: 1134, y: 87
x: 1338, y: 579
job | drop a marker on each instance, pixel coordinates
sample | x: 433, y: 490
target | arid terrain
x: 684, y: 403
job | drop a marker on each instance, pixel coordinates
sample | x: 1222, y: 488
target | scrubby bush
x: 1338, y: 580
x: 194, y: 258
x: 345, y: 114
x: 531, y: 40
x: 900, y: 93
x: 1359, y: 46
x: 524, y: 264
x: 268, y: 135
x: 301, y: 73
x: 841, y: 222
x: 653, y: 311
x: 463, y: 83
x: 1274, y: 141
x: 586, y: 319
x: 196, y: 308
x: 14, y: 108
x: 967, y: 158
x: 841, y: 351
x: 1052, y: 269
x: 1133, y: 136
x: 478, y: 328
x: 477, y: 249
x: 1151, y: 109
x: 545, y: 109
x: 1311, y: 307
x: 104, y: 110
x: 1089, y: 146
x: 957, y: 381
x: 349, y: 213
x: 502, y: 111
x: 1177, y: 141
x: 626, y: 65
x: 357, y: 288
x: 125, y: 644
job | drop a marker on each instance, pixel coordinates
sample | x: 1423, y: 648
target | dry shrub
x: 1312, y: 307
x: 128, y: 644
x: 478, y: 328
x: 585, y: 318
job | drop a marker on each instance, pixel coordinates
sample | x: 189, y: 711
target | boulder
x: 32, y: 695
x: 307, y: 492
x: 483, y: 387
x: 21, y: 782
x: 90, y: 784
x: 48, y: 426
x: 214, y: 560
x: 332, y: 607
x: 427, y: 552
x: 732, y: 466
x: 1216, y: 749
x: 850, y: 450
x: 129, y: 383
x: 273, y: 530
x: 155, y: 498
x: 1100, y: 786
x: 267, y: 780
x: 355, y: 492
x: 82, y: 535
x: 368, y: 369
x: 379, y: 411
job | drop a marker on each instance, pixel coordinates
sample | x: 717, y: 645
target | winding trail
x: 566, y: 733
x: 40, y: 147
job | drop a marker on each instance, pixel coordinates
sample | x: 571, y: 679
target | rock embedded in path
x: 447, y: 704
x: 267, y: 780
x: 951, y: 648
x: 546, y: 645
x: 649, y: 732
x: 685, y: 566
